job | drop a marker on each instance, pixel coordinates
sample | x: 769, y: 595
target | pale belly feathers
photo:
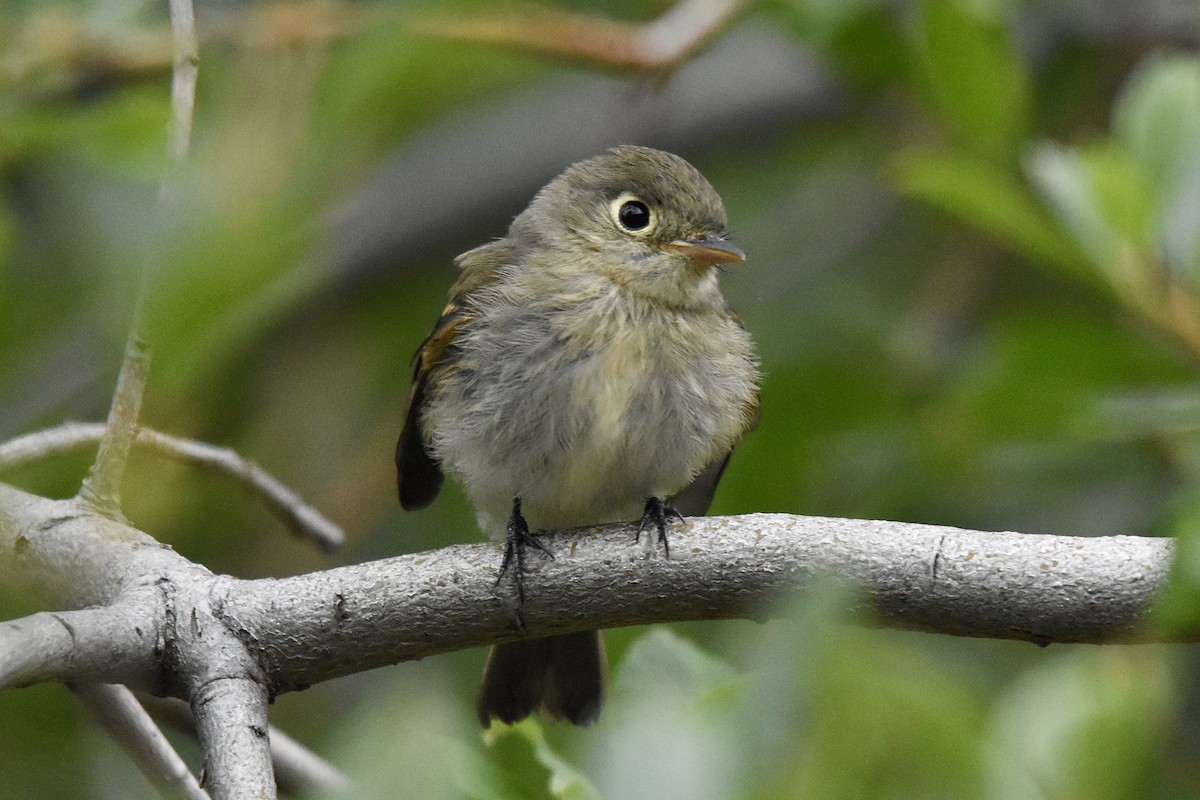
x: 585, y: 423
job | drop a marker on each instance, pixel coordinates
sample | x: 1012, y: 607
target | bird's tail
x: 565, y: 676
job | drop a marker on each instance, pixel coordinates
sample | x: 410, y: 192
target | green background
x: 974, y: 238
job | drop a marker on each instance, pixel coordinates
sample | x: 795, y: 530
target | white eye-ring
x: 632, y: 214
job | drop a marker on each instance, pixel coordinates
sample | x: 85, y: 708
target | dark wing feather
x: 418, y: 475
x: 696, y: 497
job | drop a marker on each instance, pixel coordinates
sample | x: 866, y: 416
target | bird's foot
x: 658, y: 514
x: 516, y: 540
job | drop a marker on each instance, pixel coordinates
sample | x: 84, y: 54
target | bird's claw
x: 516, y: 540
x: 658, y: 515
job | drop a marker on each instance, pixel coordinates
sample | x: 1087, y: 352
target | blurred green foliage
x: 974, y: 287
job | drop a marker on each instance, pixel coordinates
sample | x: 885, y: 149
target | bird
x: 587, y: 369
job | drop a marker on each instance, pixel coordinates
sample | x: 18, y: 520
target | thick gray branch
x: 298, y: 770
x: 227, y: 645
x: 231, y: 723
x: 1042, y: 589
x: 92, y: 644
x: 292, y: 632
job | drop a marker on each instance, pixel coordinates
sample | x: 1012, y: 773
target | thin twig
x: 119, y: 712
x: 661, y: 45
x: 298, y: 770
x: 301, y: 518
x: 186, y: 58
x: 101, y: 489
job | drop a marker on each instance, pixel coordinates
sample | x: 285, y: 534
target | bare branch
x: 660, y: 45
x: 33, y: 447
x: 185, y: 52
x: 297, y: 769
x: 308, y: 628
x: 1042, y: 589
x: 301, y: 518
x: 53, y: 51
x: 101, y: 489
x: 230, y: 644
x: 109, y: 644
x: 119, y: 712
x: 231, y: 723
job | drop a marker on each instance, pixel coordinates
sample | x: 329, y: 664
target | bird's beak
x: 709, y: 250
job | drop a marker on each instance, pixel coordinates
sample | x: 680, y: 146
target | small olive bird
x: 587, y: 370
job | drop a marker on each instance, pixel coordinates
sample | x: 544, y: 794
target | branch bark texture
x: 193, y: 628
x: 919, y: 577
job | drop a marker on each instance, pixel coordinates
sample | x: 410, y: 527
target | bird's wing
x: 419, y: 477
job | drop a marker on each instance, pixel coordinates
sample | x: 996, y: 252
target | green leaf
x: 1102, y: 198
x: 973, y: 77
x: 992, y: 199
x: 1157, y: 118
x: 662, y: 735
x: 823, y: 20
x: 1178, y: 608
x: 1084, y: 724
x: 835, y: 711
x: 863, y: 37
x: 565, y: 780
x: 1124, y: 197
x: 1157, y: 123
x: 1059, y: 175
x: 870, y: 50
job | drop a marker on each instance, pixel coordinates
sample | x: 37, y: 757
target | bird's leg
x: 658, y: 514
x: 515, y: 542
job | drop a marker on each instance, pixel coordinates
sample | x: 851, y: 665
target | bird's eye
x: 632, y: 215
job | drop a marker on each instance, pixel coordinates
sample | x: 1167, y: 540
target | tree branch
x: 112, y: 643
x: 101, y: 489
x: 119, y: 712
x: 185, y: 57
x: 301, y: 518
x: 298, y: 770
x: 231, y: 723
x: 662, y: 44
x: 317, y: 626
x: 929, y: 578
x: 231, y: 644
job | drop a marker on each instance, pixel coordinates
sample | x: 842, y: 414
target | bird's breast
x: 586, y: 411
